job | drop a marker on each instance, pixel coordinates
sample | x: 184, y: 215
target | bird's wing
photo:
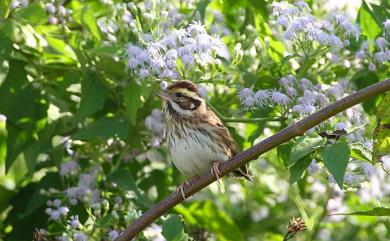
x: 224, y: 133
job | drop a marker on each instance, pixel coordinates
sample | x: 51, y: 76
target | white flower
x: 80, y: 236
x: 385, y: 160
x: 280, y: 98
x: 52, y: 20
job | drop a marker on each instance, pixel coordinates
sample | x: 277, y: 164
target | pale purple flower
x: 381, y: 43
x: 164, y: 85
x: 313, y: 167
x: 304, y: 109
x: 55, y: 215
x: 280, y: 98
x: 291, y: 91
x: 196, y: 28
x: 386, y: 26
x: 246, y: 92
x: 62, y: 11
x: 262, y: 97
x: 368, y: 169
x: 248, y: 101
x: 127, y: 17
x: 52, y: 20
x: 322, y: 99
x: 113, y: 234
x: 372, y: 67
x: 74, y: 222
x: 50, y: 8
x: 143, y: 73
x: 350, y: 178
x: 360, y: 54
x: 282, y: 20
x: 305, y: 84
x: 341, y: 126
x: 63, y: 210
x: 56, y: 202
x: 336, y: 90
x: 80, y: 236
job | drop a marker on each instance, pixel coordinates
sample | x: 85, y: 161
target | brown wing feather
x: 227, y: 139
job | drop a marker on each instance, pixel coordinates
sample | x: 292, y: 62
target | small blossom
x: 74, y: 222
x: 350, y: 178
x: 313, y: 167
x: 68, y: 167
x: 52, y: 20
x: 381, y: 43
x: 57, y: 202
x: 50, y: 8
x: 112, y: 235
x: 341, y: 126
x: 164, y: 85
x: 246, y: 92
x: 248, y: 101
x: 262, y: 97
x: 386, y: 26
x: 80, y: 236
x: 280, y: 98
x: 372, y: 66
x: 368, y: 169
x: 63, y: 210
x: 55, y: 215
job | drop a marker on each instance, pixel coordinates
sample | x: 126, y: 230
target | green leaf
x: 207, y: 215
x: 369, y: 26
x: 5, y: 48
x: 4, y: 8
x: 173, y: 229
x: 131, y: 95
x: 299, y: 167
x: 303, y: 147
x: 359, y: 151
x: 378, y: 212
x: 283, y: 152
x: 125, y: 181
x: 363, y: 79
x: 336, y: 157
x: 33, y: 14
x: 201, y: 7
x: 93, y: 96
x: 103, y: 128
x: 85, y: 16
x: 382, y: 130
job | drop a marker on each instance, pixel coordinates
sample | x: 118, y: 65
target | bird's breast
x: 193, y: 150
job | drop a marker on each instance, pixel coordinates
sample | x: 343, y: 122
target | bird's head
x: 182, y: 98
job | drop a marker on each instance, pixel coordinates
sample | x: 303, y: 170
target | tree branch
x: 296, y: 129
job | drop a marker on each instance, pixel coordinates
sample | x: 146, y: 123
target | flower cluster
x: 19, y: 4
x: 301, y: 27
x: 58, y: 14
x: 381, y: 56
x: 179, y: 49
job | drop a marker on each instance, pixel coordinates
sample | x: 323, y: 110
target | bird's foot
x: 181, y: 189
x: 215, y: 170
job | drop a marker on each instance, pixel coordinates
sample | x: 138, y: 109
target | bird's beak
x: 163, y: 95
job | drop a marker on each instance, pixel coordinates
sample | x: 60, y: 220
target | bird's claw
x: 215, y: 171
x: 181, y: 189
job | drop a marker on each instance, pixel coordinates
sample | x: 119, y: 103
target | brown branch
x: 296, y: 129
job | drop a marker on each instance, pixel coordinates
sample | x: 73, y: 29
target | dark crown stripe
x: 185, y: 84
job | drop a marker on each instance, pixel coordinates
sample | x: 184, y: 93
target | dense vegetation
x: 82, y: 150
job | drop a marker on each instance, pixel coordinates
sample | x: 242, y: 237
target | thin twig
x: 296, y: 129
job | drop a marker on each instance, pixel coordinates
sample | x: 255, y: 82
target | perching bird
x: 196, y: 138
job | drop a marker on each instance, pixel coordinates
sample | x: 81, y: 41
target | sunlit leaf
x: 336, y: 157
x: 303, y: 147
x: 131, y: 95
x: 103, y: 128
x: 173, y: 229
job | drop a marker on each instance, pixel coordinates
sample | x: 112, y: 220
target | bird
x: 196, y: 139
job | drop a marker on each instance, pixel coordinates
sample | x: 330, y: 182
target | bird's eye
x: 178, y: 95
